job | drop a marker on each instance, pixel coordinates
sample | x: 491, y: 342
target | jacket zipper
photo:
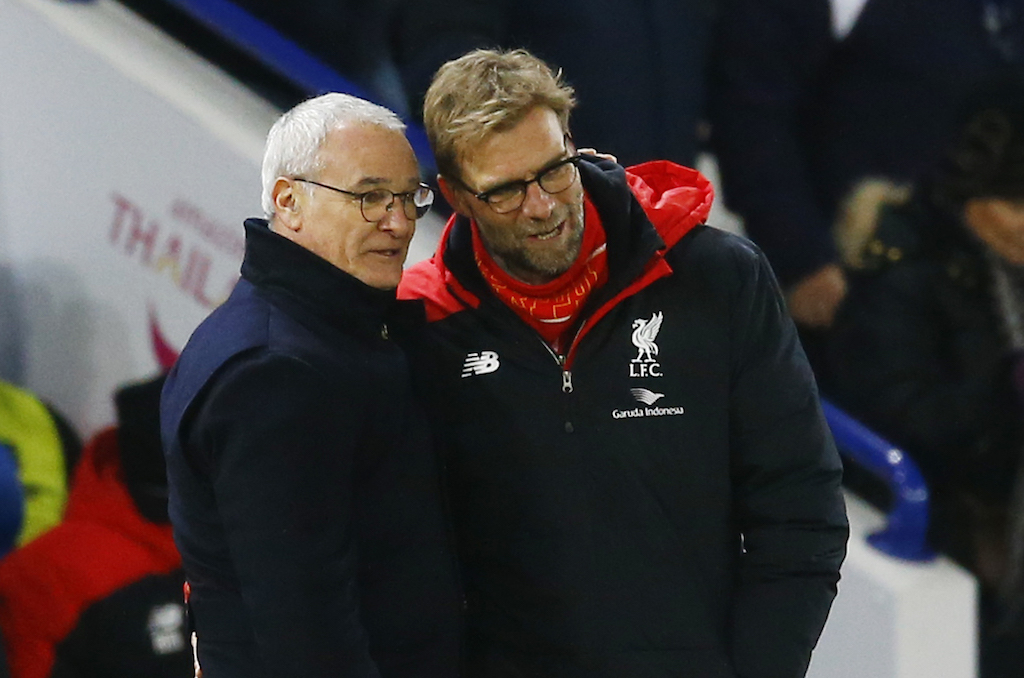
x: 560, y: 360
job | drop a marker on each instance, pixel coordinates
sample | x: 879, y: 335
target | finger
x: 595, y: 152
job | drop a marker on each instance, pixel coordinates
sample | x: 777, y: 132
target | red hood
x: 675, y: 198
x: 99, y: 495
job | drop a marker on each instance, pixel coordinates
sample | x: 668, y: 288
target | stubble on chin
x: 544, y: 264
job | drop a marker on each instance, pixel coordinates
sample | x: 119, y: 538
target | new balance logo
x: 483, y: 362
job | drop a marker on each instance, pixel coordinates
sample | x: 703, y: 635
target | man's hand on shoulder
x: 598, y: 154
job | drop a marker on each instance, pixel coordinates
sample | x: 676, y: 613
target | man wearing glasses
x: 640, y: 475
x: 303, y: 487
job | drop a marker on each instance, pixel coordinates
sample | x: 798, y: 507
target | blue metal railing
x: 263, y: 42
x: 905, y: 534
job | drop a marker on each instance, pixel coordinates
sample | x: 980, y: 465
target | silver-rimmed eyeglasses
x: 375, y: 204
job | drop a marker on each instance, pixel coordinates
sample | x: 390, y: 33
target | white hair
x: 294, y: 141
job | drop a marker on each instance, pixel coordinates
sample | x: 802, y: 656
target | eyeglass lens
x: 553, y: 180
x: 376, y: 204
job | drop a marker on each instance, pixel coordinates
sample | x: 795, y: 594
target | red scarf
x: 552, y: 308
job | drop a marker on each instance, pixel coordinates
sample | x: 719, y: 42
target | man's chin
x: 545, y: 266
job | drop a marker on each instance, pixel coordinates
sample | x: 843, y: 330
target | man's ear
x: 287, y: 207
x: 457, y: 199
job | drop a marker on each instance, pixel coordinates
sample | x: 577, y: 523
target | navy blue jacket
x: 799, y: 116
x: 304, y: 493
x: 624, y: 512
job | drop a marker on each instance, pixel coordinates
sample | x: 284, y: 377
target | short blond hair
x: 488, y: 91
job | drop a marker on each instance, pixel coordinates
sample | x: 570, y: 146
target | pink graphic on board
x: 164, y: 353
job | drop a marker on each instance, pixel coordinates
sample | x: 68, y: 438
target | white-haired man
x: 303, y: 491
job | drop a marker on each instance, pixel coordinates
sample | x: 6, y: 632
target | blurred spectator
x: 929, y: 350
x: 654, y: 49
x: 45, y: 450
x: 100, y: 596
x: 351, y: 37
x: 809, y: 96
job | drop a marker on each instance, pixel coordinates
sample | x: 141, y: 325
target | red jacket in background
x: 100, y: 594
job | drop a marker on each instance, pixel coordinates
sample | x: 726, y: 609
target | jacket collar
x: 298, y: 279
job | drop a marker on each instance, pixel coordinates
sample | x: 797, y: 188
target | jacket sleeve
x: 768, y: 55
x: 281, y: 443
x: 786, y: 481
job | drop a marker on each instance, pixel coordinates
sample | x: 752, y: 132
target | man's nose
x: 538, y: 203
x: 396, y: 222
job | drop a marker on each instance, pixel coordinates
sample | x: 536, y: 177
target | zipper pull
x: 566, y: 381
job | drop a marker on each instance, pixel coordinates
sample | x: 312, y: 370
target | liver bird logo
x: 644, y: 334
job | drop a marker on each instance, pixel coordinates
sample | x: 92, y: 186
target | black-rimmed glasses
x: 509, y: 197
x: 375, y: 204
